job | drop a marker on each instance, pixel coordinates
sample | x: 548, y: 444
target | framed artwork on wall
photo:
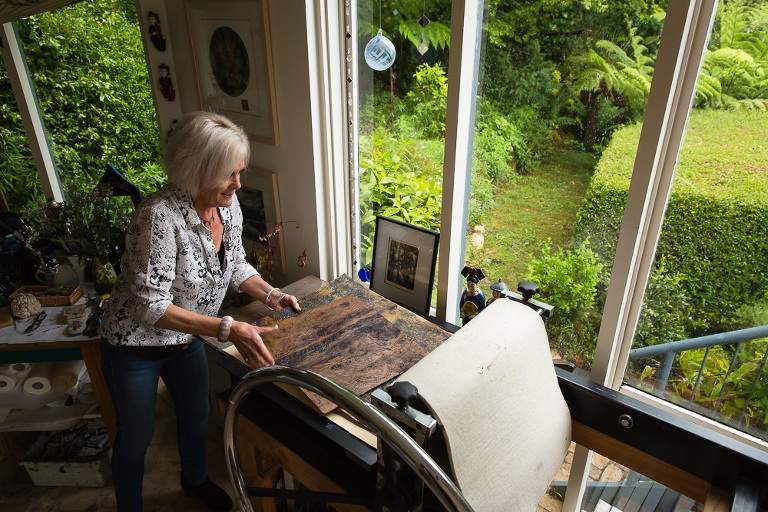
x: 404, y: 260
x: 233, y: 63
x: 260, y: 204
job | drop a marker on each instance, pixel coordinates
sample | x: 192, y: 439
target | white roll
x: 20, y: 368
x: 65, y: 374
x: 8, y: 380
x: 85, y: 393
x: 38, y: 382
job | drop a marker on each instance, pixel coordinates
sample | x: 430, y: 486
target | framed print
x: 233, y: 63
x: 261, y: 216
x: 404, y: 258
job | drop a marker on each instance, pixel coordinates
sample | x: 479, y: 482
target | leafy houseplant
x: 90, y: 223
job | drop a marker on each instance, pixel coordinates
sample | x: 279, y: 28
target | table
x: 51, y: 343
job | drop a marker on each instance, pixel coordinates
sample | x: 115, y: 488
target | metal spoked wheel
x: 370, y: 417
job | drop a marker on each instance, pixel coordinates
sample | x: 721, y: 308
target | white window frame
x: 29, y: 109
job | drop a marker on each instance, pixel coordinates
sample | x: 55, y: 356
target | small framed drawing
x: 260, y: 205
x: 404, y: 258
x: 233, y: 63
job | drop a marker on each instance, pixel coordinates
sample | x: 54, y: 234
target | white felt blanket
x: 493, y: 388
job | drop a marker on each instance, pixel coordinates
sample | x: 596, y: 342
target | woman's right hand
x: 248, y: 340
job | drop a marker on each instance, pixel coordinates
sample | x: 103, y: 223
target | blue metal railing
x: 669, y: 351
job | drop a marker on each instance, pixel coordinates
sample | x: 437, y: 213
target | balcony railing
x: 669, y: 352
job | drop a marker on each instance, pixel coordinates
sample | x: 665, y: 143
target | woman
x: 183, y: 251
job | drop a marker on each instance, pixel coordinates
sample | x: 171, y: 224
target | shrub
x: 425, y: 102
x: 715, y: 231
x: 394, y: 183
x: 90, y: 75
x: 568, y: 279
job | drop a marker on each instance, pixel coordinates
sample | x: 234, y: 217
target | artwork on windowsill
x: 260, y: 205
x: 233, y: 63
x: 404, y: 259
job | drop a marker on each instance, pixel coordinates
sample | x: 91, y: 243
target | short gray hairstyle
x: 203, y: 151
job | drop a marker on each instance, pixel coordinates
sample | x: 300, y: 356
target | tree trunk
x: 593, y: 119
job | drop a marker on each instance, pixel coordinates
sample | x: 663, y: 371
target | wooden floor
x: 162, y: 492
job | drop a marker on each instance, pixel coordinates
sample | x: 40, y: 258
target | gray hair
x: 203, y: 151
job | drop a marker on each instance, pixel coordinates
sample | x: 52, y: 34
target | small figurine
x: 496, y: 289
x: 166, y: 85
x: 473, y: 299
x: 156, y: 32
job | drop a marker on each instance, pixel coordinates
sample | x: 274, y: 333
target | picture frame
x: 232, y: 55
x: 404, y: 261
x: 260, y: 205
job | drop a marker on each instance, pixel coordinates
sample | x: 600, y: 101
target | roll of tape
x: 65, y: 375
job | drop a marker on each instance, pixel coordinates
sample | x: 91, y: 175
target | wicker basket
x: 49, y: 300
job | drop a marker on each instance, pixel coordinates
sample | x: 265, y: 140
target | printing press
x: 482, y: 422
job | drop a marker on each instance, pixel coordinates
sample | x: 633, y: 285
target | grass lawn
x: 528, y: 211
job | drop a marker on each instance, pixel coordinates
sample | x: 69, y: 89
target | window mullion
x: 463, y: 71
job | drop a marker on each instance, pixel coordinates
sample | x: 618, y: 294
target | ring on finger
x: 247, y: 358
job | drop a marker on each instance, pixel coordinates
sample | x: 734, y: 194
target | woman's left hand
x: 288, y: 301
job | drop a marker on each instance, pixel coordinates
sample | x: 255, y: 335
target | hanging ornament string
x: 380, y: 52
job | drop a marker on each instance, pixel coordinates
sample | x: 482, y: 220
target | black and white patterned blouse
x: 170, y: 259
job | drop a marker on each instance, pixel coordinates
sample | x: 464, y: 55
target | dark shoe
x: 214, y: 497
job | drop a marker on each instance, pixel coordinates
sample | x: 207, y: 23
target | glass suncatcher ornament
x: 380, y: 52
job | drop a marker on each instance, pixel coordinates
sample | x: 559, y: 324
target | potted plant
x: 90, y: 224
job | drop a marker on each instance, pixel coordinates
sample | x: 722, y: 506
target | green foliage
x: 499, y: 148
x: 735, y: 69
x: 91, y: 222
x: 90, y: 75
x: 481, y: 199
x: 715, y: 231
x: 569, y: 281
x: 729, y: 393
x: 568, y: 278
x: 663, y: 317
x: 425, y: 102
x: 399, y: 21
x: 394, y: 183
x: 607, y: 76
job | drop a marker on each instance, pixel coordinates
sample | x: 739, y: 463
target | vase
x: 104, y: 276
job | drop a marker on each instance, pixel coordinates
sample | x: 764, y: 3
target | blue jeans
x: 132, y: 380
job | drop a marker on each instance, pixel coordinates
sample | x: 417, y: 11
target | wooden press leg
x: 257, y: 468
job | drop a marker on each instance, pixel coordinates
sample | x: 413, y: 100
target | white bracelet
x: 280, y: 299
x: 224, y: 328
x: 266, y: 299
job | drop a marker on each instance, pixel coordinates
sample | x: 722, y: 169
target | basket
x: 49, y: 300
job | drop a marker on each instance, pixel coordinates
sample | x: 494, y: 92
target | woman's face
x: 221, y: 195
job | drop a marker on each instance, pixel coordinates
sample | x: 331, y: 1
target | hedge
x: 715, y: 231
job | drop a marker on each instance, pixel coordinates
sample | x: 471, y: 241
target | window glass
x: 561, y: 81
x: 701, y: 336
x: 402, y: 106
